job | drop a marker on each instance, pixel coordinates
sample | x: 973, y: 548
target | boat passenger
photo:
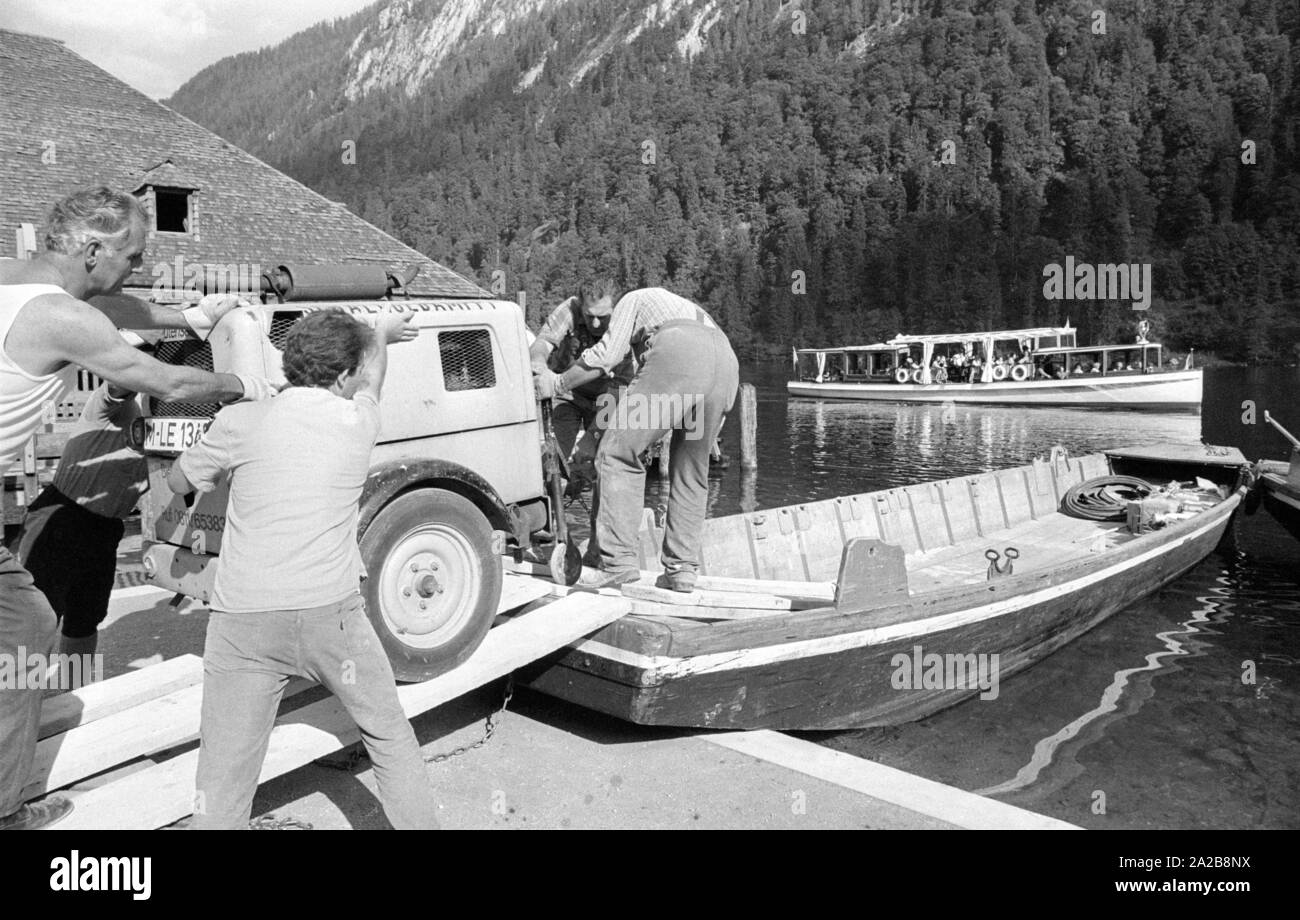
x: 1078, y: 368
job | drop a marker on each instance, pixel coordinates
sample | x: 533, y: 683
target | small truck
x: 456, y: 478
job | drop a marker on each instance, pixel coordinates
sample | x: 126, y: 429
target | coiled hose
x: 1104, y: 498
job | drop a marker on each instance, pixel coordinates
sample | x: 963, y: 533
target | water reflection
x: 816, y: 449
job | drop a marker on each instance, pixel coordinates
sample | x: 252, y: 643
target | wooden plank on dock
x: 167, y: 721
x: 164, y: 794
x: 115, y: 721
x: 698, y: 598
x: 105, y: 698
x: 652, y: 609
x: 915, y: 793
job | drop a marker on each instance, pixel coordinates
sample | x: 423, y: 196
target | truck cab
x: 455, y: 479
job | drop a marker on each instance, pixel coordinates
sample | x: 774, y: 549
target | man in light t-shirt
x: 286, y: 599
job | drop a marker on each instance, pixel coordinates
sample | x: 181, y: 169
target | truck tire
x: 433, y: 548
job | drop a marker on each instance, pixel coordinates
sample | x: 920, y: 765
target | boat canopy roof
x: 1035, y: 333
x: 1088, y: 349
x: 902, y: 341
x: 851, y: 348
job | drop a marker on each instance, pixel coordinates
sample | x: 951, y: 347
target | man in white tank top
x: 94, y: 239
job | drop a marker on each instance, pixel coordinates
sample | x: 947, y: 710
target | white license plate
x: 173, y: 435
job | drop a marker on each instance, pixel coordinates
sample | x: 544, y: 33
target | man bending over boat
x: 94, y: 239
x: 286, y: 599
x: 686, y: 384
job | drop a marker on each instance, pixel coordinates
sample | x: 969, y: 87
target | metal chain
x: 489, y: 728
x: 272, y: 823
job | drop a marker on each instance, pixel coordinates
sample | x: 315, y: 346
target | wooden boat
x: 835, y: 614
x: 1278, y: 485
x: 1280, y: 491
x: 1044, y: 367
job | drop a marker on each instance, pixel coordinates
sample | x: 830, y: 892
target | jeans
x: 247, y: 661
x: 28, y: 624
x: 687, y: 384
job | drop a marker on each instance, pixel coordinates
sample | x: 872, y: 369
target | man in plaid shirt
x: 686, y: 383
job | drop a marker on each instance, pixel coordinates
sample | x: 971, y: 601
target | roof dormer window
x: 170, y: 196
x: 171, y: 210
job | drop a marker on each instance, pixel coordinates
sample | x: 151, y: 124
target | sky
x: 156, y: 45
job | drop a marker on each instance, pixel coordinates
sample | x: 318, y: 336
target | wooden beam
x: 815, y: 593
x: 915, y: 793
x: 651, y: 609
x: 164, y: 794
x: 165, y: 722
x: 105, y: 698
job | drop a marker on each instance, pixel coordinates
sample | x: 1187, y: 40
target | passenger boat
x: 885, y: 607
x: 1017, y: 367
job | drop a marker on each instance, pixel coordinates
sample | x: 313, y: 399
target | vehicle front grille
x: 193, y: 353
x: 187, y: 353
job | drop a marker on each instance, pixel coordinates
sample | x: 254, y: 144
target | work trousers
x: 687, y: 384
x: 247, y: 661
x: 27, y: 627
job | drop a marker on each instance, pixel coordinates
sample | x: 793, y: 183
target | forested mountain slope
x: 815, y: 171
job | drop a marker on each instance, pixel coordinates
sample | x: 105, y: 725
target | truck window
x: 466, y: 360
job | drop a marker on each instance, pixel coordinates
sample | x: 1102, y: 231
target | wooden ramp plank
x: 518, y: 589
x: 105, y: 698
x: 157, y: 725
x: 89, y: 749
x: 141, y: 713
x: 164, y: 794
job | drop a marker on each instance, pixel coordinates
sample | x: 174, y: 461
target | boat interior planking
x: 908, y: 565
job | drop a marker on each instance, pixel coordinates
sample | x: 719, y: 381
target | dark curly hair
x: 323, y: 345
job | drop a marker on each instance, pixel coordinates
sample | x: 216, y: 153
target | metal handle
x: 1286, y: 434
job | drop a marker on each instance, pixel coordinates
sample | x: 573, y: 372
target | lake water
x: 1144, y: 722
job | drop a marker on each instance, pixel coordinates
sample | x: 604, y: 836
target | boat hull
x: 831, y: 669
x: 1167, y: 391
x: 1282, y: 501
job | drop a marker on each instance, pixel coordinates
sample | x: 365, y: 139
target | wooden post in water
x: 748, y: 427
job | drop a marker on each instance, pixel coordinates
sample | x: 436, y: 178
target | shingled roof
x: 65, y: 124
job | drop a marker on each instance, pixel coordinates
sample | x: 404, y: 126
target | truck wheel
x: 434, y: 583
